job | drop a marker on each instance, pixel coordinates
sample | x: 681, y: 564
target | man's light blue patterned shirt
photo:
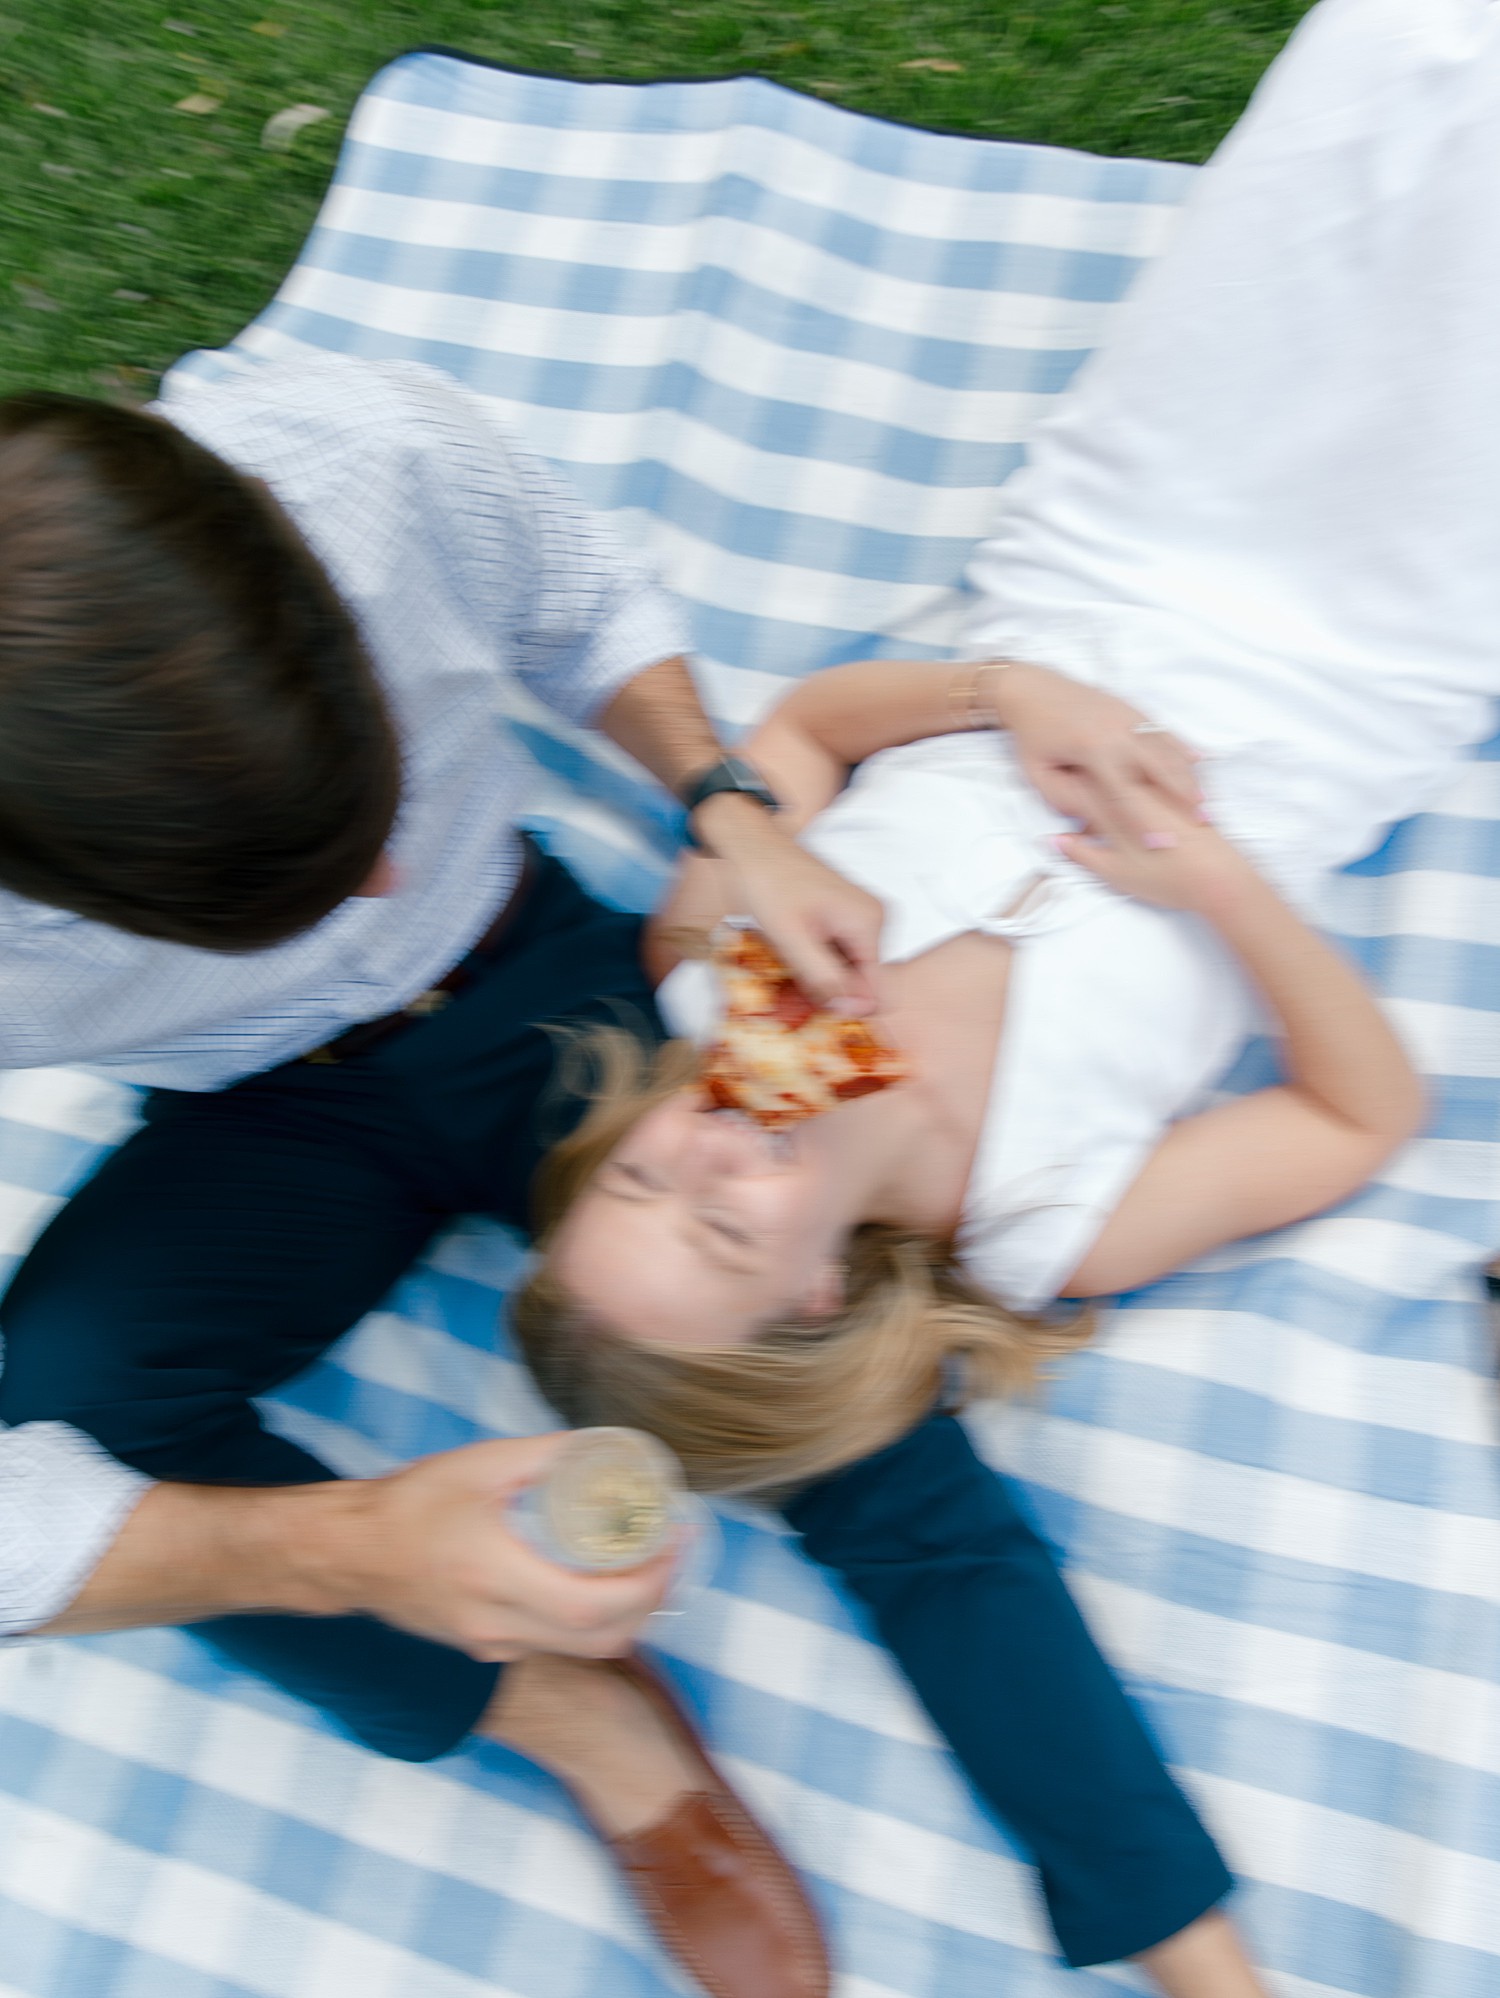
x: 464, y: 559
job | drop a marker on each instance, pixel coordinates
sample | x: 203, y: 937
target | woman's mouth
x: 777, y: 1149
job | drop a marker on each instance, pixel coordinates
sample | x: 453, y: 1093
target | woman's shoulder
x: 1022, y: 1237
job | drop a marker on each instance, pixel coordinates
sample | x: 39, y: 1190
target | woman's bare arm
x: 1074, y: 742
x: 1263, y: 1161
x: 1067, y: 734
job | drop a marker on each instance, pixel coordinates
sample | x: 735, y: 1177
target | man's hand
x: 1083, y: 750
x: 430, y: 1549
x: 825, y: 929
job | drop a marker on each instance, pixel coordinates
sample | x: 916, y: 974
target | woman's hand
x: 1181, y: 864
x: 1083, y: 748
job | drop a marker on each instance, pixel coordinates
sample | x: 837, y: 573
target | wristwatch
x: 730, y: 773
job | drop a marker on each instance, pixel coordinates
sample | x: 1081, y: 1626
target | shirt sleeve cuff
x: 644, y: 629
x: 63, y: 1501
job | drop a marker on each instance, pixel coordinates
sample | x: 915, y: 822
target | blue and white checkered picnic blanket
x: 796, y: 351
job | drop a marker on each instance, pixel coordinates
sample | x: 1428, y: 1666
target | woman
x: 777, y: 1306
x: 1257, y: 548
x: 1262, y: 523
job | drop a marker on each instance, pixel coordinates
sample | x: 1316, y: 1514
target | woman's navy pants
x: 238, y: 1234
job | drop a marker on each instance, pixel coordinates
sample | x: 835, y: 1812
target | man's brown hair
x: 193, y: 743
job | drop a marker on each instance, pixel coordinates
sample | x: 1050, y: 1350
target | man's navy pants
x: 238, y: 1234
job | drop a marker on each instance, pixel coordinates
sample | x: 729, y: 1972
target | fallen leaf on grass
x: 125, y: 384
x: 199, y: 104
x: 939, y: 64
x: 35, y: 297
x: 283, y: 126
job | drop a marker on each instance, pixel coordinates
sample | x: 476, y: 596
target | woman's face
x: 699, y: 1227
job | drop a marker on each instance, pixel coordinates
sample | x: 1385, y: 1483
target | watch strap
x: 731, y: 774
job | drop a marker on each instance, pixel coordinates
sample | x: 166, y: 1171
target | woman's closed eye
x: 631, y: 1181
x: 727, y: 1231
x: 727, y: 1245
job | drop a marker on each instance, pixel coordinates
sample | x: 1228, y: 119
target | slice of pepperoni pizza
x: 779, y: 1058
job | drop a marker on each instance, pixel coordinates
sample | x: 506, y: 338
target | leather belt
x: 370, y: 1033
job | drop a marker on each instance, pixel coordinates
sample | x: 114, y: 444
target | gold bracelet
x: 964, y: 704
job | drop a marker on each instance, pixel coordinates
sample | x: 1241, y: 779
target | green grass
x: 131, y: 230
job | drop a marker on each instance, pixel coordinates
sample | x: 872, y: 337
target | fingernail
x: 1157, y: 842
x: 1205, y: 816
x: 1060, y: 842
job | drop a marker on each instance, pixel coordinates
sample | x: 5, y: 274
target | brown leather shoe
x: 724, y: 1901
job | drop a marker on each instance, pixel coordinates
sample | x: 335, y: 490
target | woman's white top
x: 1117, y: 1016
x: 1268, y: 514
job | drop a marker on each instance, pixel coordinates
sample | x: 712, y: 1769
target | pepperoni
x: 790, y: 1008
x: 859, y: 1048
x: 859, y: 1085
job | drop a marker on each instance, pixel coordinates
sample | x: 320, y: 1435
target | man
x: 257, y: 825
x: 280, y: 821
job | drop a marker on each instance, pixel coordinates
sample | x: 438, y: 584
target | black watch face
x: 733, y: 774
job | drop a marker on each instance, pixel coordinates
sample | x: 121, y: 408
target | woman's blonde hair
x: 803, y: 1396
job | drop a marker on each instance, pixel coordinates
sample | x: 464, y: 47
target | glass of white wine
x: 612, y: 1499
